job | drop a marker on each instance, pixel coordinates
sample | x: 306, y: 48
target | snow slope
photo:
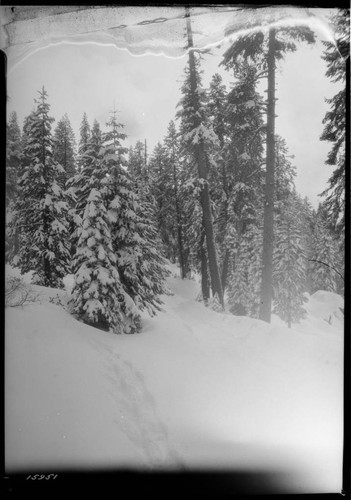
x: 196, y: 389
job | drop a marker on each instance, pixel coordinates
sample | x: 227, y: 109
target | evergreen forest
x: 216, y: 196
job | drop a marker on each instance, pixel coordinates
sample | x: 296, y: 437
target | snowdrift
x: 196, y: 389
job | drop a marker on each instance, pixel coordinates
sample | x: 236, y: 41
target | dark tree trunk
x: 178, y: 220
x: 225, y: 269
x: 47, y: 271
x: 180, y: 243
x: 216, y: 284
x: 186, y: 266
x: 205, y: 284
x: 225, y: 263
x: 267, y: 255
x: 202, y: 172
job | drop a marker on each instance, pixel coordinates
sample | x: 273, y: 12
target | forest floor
x: 196, y: 389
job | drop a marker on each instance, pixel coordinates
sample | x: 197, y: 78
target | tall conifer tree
x: 83, y: 140
x: 97, y: 295
x: 196, y: 133
x: 13, y: 171
x: 42, y: 208
x: 64, y: 146
x: 134, y: 239
x: 324, y: 256
x: 243, y: 157
x: 265, y: 48
x: 290, y: 264
x: 336, y: 55
x: 13, y: 156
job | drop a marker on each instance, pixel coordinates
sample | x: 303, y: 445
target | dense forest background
x: 216, y: 196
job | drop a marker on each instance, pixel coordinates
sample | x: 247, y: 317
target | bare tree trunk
x: 267, y: 255
x: 202, y: 172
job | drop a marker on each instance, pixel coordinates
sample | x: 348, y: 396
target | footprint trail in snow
x: 138, y: 416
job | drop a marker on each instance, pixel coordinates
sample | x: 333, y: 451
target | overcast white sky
x: 145, y: 89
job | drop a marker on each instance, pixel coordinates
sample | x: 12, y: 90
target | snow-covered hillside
x: 196, y: 389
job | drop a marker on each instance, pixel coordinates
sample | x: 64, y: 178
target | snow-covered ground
x: 196, y: 389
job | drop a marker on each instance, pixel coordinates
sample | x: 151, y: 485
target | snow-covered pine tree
x: 195, y: 256
x: 83, y: 140
x: 245, y: 279
x: 41, y: 212
x: 164, y: 170
x: 161, y: 190
x: 238, y: 289
x: 90, y: 174
x: 138, y: 169
x: 135, y: 242
x: 97, y: 294
x: 92, y: 148
x: 291, y: 240
x: 323, y: 257
x: 243, y: 158
x: 13, y: 156
x: 306, y: 223
x: 338, y: 236
x: 335, y: 56
x: 340, y: 265
x: 13, y: 170
x: 64, y: 147
x: 255, y: 235
x: 172, y: 144
x: 264, y: 48
x: 12, y: 225
x: 217, y: 109
x: 289, y: 264
x: 199, y: 142
x: 25, y: 138
x: 285, y: 173
x: 194, y: 248
x: 172, y: 171
x: 88, y: 177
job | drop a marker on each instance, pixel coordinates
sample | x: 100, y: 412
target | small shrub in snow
x: 62, y: 301
x: 56, y: 300
x: 17, y: 293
